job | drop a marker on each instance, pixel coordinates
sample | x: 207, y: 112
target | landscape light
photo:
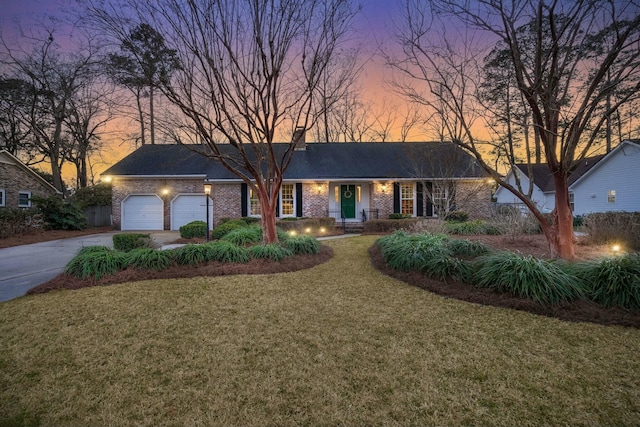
x: 615, y: 248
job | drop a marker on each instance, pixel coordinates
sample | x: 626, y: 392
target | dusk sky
x: 374, y: 25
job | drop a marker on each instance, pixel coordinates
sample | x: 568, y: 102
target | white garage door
x: 189, y: 207
x: 142, y: 213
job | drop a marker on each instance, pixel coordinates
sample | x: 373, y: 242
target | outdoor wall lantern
x: 384, y: 188
x: 207, y: 192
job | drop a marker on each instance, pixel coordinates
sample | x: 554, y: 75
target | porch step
x: 353, y: 227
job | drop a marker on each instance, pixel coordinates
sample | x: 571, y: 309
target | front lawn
x: 339, y: 343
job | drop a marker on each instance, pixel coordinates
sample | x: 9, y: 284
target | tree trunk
x: 152, y: 130
x: 141, y: 113
x: 561, y: 237
x: 268, y: 214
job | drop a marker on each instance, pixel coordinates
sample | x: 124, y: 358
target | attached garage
x: 142, y: 212
x: 189, y: 207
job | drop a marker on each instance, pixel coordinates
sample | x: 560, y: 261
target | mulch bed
x: 213, y: 268
x: 579, y: 311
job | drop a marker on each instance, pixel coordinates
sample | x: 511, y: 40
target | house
x: 162, y: 186
x: 19, y: 183
x: 601, y: 183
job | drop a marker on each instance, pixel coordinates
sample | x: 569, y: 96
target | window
x: 254, y: 203
x: 572, y: 204
x: 440, y: 201
x: 24, y: 199
x: 612, y: 196
x: 2, y: 197
x: 287, y: 200
x: 406, y: 199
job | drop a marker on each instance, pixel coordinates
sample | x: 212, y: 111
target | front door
x: 348, y: 200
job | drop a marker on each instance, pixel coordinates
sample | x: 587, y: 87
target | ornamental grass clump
x: 613, y: 281
x: 410, y: 252
x: 93, y: 249
x: 272, y: 251
x: 302, y: 244
x: 150, y: 259
x: 471, y: 228
x: 192, y: 254
x: 469, y: 248
x: 244, y: 236
x: 542, y: 281
x: 96, y: 264
x: 225, y: 251
x: 220, y: 231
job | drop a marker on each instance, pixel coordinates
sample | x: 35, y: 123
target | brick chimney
x: 299, y: 139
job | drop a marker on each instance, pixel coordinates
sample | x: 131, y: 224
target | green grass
x: 337, y: 344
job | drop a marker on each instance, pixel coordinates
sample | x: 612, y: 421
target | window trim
x: 611, y: 196
x: 24, y: 192
x: 412, y: 198
x: 293, y: 200
x: 259, y: 215
x: 3, y: 197
x: 572, y: 201
x: 440, y: 203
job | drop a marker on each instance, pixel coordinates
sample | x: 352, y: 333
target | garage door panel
x: 142, y: 212
x: 186, y: 208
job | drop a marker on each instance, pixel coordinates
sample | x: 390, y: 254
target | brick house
x: 19, y: 183
x: 161, y: 187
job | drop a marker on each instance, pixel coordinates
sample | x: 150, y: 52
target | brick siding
x: 14, y: 179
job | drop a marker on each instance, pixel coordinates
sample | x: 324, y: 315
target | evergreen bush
x: 225, y: 251
x: 302, y: 244
x: 148, y: 258
x: 126, y: 242
x: 96, y: 264
x: 194, y: 229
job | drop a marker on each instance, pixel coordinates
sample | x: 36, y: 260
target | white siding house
x: 611, y: 185
x: 602, y: 183
x: 544, y: 200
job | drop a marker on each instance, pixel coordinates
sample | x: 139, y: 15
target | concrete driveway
x: 27, y: 266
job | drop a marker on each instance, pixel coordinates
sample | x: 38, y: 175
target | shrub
x: 193, y: 229
x: 96, y: 264
x: 225, y: 251
x: 605, y: 227
x: 192, y: 254
x: 59, y: 215
x: 471, y: 228
x: 302, y: 244
x: 399, y: 216
x: 389, y: 225
x: 467, y: 247
x: 456, y: 216
x: 244, y: 236
x: 613, y: 281
x: 542, y: 281
x: 272, y: 251
x: 220, y: 231
x: 97, y: 195
x: 126, y: 242
x: 147, y: 258
x: 19, y: 221
x: 301, y: 224
x: 250, y: 220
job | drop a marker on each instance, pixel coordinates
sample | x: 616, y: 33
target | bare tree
x: 53, y: 78
x: 561, y: 79
x: 250, y: 71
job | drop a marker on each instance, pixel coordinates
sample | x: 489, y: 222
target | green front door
x: 348, y: 200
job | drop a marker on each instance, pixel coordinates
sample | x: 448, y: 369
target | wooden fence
x: 98, y: 216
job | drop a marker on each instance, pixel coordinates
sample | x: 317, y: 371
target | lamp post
x: 207, y: 192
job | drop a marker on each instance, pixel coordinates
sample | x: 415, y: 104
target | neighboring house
x: 161, y: 186
x: 19, y: 183
x: 602, y: 183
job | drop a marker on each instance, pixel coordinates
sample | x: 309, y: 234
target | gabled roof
x: 318, y: 161
x: 632, y: 142
x: 7, y: 157
x: 544, y: 181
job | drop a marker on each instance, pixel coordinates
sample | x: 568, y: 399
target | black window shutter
x: 244, y: 199
x: 420, y: 199
x: 396, y: 197
x: 298, y: 199
x: 429, y: 200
